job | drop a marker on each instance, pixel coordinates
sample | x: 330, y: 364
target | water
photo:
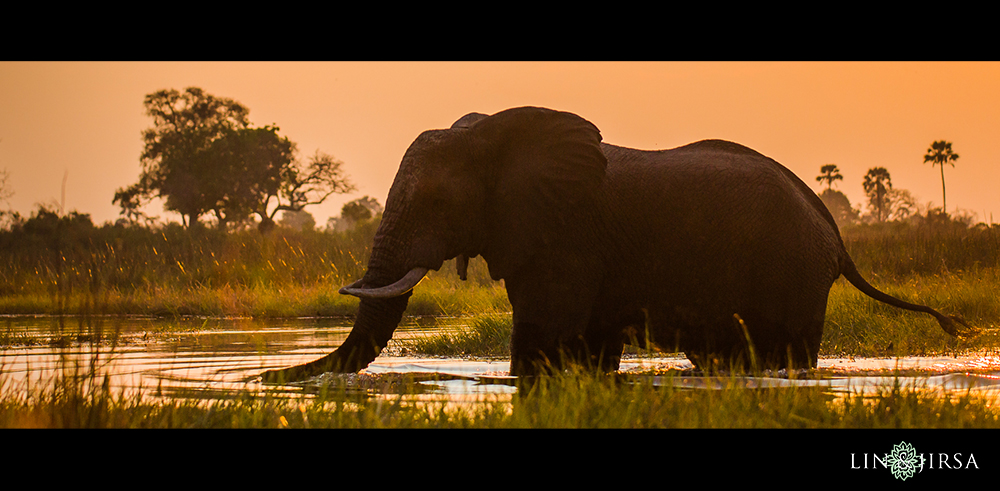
x: 213, y: 358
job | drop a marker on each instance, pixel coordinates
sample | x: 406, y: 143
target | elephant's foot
x: 328, y: 363
x: 523, y: 366
x: 746, y: 361
x: 564, y: 359
x: 285, y: 375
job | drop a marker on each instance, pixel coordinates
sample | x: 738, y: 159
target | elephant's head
x: 496, y: 186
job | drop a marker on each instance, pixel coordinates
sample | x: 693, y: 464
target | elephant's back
x: 721, y: 205
x: 707, y: 159
x: 717, y: 175
x: 720, y: 172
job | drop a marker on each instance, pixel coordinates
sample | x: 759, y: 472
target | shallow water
x: 212, y: 358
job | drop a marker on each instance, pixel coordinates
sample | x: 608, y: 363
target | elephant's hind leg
x: 792, y: 342
x: 534, y: 350
x: 604, y: 341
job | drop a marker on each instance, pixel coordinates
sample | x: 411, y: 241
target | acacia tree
x: 877, y: 183
x: 829, y: 173
x: 249, y: 165
x: 302, y: 185
x: 173, y: 164
x: 202, y: 156
x: 940, y: 153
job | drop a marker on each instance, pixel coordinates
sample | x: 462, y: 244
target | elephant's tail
x: 951, y: 324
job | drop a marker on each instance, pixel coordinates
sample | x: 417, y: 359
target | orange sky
x: 84, y: 119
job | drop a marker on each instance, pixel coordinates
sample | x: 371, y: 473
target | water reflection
x: 213, y: 358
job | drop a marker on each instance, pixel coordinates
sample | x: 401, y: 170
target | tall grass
x: 857, y: 325
x: 940, y: 263
x: 71, y: 267
x: 488, y: 335
x: 902, y: 249
x: 66, y: 265
x: 572, y: 400
x: 589, y: 401
x: 133, y: 258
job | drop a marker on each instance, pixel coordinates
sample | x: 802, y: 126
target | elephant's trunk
x: 384, y: 291
x: 399, y: 260
x: 377, y: 320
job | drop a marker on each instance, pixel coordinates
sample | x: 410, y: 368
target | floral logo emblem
x: 903, y: 461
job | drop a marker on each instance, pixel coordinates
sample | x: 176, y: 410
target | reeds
x: 857, y: 325
x: 175, y: 271
x: 487, y: 335
x: 945, y: 265
x: 172, y: 271
x: 570, y: 400
x: 903, y: 249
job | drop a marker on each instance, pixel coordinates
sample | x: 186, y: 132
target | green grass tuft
x: 488, y: 335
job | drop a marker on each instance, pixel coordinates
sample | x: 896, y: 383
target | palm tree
x: 939, y: 154
x: 877, y: 183
x: 829, y: 173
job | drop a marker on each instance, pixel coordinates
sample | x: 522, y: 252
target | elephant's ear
x: 544, y: 166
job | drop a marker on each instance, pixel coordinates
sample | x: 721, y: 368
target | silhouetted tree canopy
x: 298, y: 220
x: 304, y: 185
x: 47, y: 223
x: 829, y: 173
x: 47, y: 229
x: 173, y: 161
x: 355, y: 212
x: 202, y: 156
x: 876, y: 184
x: 940, y: 153
x: 245, y: 167
x: 839, y: 206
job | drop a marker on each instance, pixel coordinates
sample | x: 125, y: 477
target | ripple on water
x: 198, y: 357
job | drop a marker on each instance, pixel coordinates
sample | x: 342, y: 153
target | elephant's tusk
x: 394, y: 290
x: 353, y: 285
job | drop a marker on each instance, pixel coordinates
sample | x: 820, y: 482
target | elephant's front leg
x: 604, y: 343
x: 550, y: 323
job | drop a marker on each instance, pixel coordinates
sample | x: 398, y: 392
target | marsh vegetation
x: 571, y: 400
x: 64, y: 265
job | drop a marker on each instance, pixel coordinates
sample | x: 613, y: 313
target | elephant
x: 712, y: 248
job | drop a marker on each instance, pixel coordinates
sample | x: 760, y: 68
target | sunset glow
x: 82, y: 120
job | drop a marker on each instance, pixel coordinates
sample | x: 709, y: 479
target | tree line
x: 203, y: 156
x: 885, y: 203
